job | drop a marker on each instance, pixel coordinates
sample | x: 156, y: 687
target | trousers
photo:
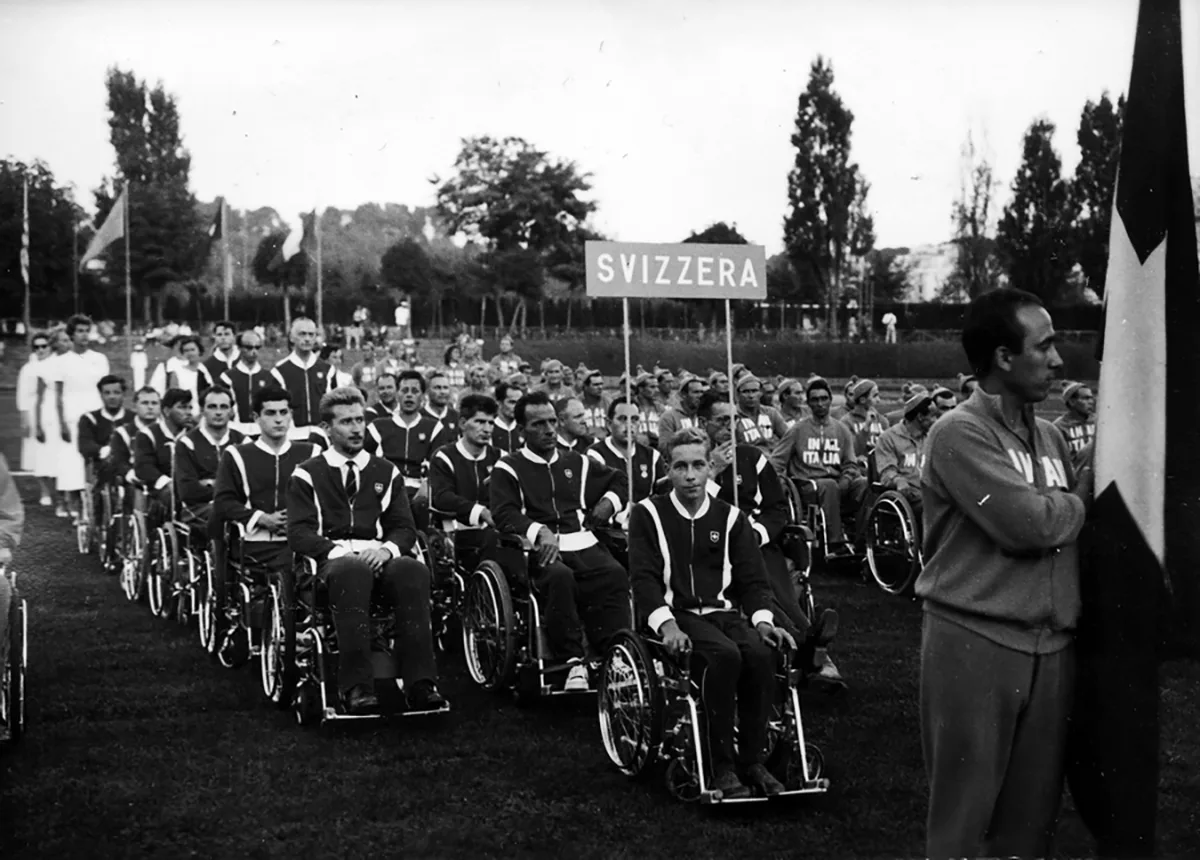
x: 994, y: 732
x: 583, y: 590
x: 788, y: 613
x: 404, y: 583
x: 738, y: 674
x: 848, y: 492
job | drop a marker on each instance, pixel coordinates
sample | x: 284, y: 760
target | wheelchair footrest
x: 714, y: 798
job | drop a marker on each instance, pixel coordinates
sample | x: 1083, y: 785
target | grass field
x: 139, y: 746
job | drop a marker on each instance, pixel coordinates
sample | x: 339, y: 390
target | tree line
x: 510, y: 220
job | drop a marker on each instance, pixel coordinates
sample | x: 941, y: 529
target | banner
x: 675, y: 271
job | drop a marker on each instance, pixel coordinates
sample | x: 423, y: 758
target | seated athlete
x: 506, y: 434
x: 408, y: 437
x: 863, y: 418
x: 154, y: 446
x: 550, y: 497
x: 1078, y: 423
x: 385, y: 391
x: 244, y: 377
x: 251, y: 485
x: 821, y: 449
x: 459, y: 475
x: 572, y: 426
x: 198, y: 453
x: 96, y: 427
x: 146, y: 411
x: 697, y: 576
x: 614, y: 451
x: 758, y: 425
x: 348, y: 511
x: 900, y: 451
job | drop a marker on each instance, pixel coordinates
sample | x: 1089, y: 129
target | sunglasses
x: 41, y: 346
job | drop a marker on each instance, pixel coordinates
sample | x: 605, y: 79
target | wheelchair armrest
x: 509, y: 541
x: 797, y: 531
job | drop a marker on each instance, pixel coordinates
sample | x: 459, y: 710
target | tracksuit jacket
x: 1000, y: 528
x: 900, y: 453
x: 507, y: 437
x: 529, y: 492
x: 252, y: 481
x: 307, y: 383
x: 671, y: 422
x: 760, y: 496
x: 408, y: 446
x: 866, y: 430
x: 197, y: 455
x: 243, y: 382
x: 217, y: 364
x: 120, y: 448
x: 449, y: 419
x: 153, y: 454
x: 1076, y: 431
x: 649, y: 467
x: 458, y: 484
x: 813, y: 451
x: 96, y: 429
x: 763, y: 430
x: 322, y: 524
x: 709, y: 563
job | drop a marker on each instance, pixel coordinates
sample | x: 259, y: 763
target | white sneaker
x: 577, y: 679
x: 45, y: 501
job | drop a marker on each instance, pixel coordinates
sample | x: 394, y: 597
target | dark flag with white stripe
x: 1140, y: 574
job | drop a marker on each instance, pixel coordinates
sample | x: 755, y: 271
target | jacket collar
x: 230, y: 359
x: 988, y: 405
x: 462, y: 449
x: 213, y: 440
x: 248, y: 369
x: 313, y: 358
x: 166, y: 430
x: 339, y: 460
x: 683, y: 512
x: 506, y: 426
x: 535, y: 458
x: 115, y: 417
x: 263, y: 446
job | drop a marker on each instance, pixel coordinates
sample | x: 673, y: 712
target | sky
x: 681, y: 112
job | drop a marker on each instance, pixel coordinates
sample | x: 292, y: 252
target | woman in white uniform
x: 32, y: 459
x: 189, y: 372
x: 48, y: 430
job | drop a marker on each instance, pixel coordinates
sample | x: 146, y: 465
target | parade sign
x: 675, y: 271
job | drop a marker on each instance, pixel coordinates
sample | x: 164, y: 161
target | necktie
x: 351, y: 482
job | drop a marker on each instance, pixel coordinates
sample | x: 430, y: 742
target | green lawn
x: 139, y: 746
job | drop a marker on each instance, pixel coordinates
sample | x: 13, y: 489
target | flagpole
x: 25, y: 263
x: 320, y: 292
x: 732, y: 393
x: 128, y: 280
x: 228, y: 273
x: 75, y: 263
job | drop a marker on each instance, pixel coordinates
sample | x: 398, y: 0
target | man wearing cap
x: 667, y: 386
x: 719, y: 383
x: 840, y: 412
x: 967, y: 383
x: 943, y: 399
x: 1077, y: 424
x: 506, y: 362
x: 907, y: 390
x: 821, y: 451
x: 900, y: 451
x: 863, y: 419
x: 645, y: 397
x: 757, y: 425
x: 595, y: 404
x: 683, y: 415
x: 791, y: 402
x: 552, y: 380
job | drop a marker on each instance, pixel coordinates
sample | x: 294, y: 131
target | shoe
x: 425, y: 697
x: 826, y: 628
x: 360, y: 699
x: 827, y: 677
x: 577, y: 679
x: 730, y: 787
x: 45, y: 501
x: 60, y: 511
x: 757, y: 776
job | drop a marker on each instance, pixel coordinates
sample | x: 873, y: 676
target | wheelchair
x: 178, y: 572
x: 133, y: 542
x: 298, y: 663
x: 12, y: 673
x: 112, y: 524
x: 88, y: 527
x: 235, y: 594
x: 893, y: 544
x: 803, y: 501
x: 504, y: 641
x: 652, y: 720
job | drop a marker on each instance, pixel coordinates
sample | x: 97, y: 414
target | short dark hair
x: 708, y: 401
x: 224, y: 324
x: 533, y: 398
x: 406, y: 375
x: 77, y: 320
x: 612, y: 407
x: 145, y: 389
x: 184, y: 340
x: 502, y: 388
x: 215, y: 389
x: 473, y: 404
x: 176, y: 396
x: 111, y: 379
x: 991, y: 322
x: 560, y: 405
x: 388, y: 374
x: 687, y: 436
x: 328, y: 350
x: 268, y: 394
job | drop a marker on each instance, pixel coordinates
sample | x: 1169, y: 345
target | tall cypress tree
x: 1099, y: 139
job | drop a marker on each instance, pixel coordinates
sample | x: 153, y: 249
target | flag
x: 25, y: 237
x: 296, y: 241
x: 217, y: 229
x: 1140, y: 570
x: 110, y: 231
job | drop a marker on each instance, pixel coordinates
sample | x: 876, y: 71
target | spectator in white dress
x: 32, y: 459
x: 189, y: 372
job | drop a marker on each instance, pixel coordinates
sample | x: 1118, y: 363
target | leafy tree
x: 719, y: 233
x: 826, y: 222
x: 1099, y: 138
x: 407, y: 270
x: 508, y: 195
x: 888, y: 278
x: 53, y: 215
x: 167, y: 240
x: 976, y: 269
x: 1035, y: 233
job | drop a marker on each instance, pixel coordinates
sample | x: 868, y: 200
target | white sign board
x: 676, y: 271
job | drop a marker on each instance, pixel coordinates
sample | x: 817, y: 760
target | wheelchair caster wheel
x: 307, y: 706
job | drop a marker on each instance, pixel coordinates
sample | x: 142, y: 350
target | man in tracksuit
x: 506, y: 434
x: 305, y: 376
x: 458, y: 479
x: 683, y: 414
x: 863, y: 419
x: 550, y: 496
x: 900, y: 451
x: 408, y: 438
x: 198, y: 453
x: 821, y: 450
x: 697, y: 576
x: 440, y: 409
x: 1078, y: 423
x: 1003, y: 510
x: 244, y: 377
x: 154, y: 446
x: 348, y: 511
x: 617, y: 448
x: 96, y: 427
x: 757, y: 425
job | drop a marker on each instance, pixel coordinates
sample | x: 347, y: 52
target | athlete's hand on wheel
x: 675, y: 640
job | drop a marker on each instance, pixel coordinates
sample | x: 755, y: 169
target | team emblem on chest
x: 714, y: 536
x: 379, y: 488
x: 568, y: 473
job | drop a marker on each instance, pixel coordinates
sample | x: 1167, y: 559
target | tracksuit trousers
x: 832, y: 495
x: 993, y: 731
x: 404, y: 582
x: 589, y: 585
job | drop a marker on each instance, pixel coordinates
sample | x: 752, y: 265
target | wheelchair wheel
x: 12, y: 675
x: 184, y: 582
x: 489, y: 628
x: 87, y: 516
x: 206, y: 617
x: 278, y: 662
x: 159, y: 566
x: 132, y: 570
x: 629, y: 705
x: 893, y: 551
